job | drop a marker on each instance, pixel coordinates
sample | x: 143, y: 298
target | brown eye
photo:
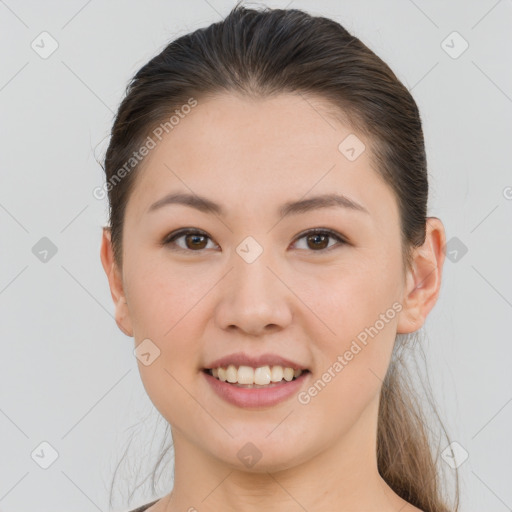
x: 317, y: 240
x: 194, y: 240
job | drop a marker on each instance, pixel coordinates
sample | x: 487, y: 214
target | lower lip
x: 256, y: 397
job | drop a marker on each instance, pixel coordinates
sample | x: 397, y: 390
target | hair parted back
x: 262, y: 53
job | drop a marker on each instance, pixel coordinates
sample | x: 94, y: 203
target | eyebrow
x: 206, y: 205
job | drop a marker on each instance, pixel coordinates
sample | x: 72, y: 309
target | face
x: 248, y: 279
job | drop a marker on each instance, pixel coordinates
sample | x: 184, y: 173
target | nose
x: 254, y: 298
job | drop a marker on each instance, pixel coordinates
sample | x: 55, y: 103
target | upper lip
x: 241, y: 359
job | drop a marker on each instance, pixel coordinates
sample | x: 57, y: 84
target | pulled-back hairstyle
x: 261, y: 53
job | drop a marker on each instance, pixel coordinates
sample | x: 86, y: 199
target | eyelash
x: 170, y: 239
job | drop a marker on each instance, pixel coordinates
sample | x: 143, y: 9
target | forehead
x: 256, y: 152
x: 285, y: 127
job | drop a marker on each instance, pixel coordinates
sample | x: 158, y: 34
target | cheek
x: 358, y: 322
x: 164, y: 300
x: 167, y: 382
x: 365, y: 325
x: 165, y: 307
x: 344, y: 302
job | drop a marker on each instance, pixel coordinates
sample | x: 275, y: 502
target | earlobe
x: 423, y: 281
x: 115, y: 281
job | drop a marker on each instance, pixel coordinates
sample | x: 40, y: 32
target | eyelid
x: 341, y: 239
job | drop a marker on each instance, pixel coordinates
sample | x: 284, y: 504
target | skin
x: 298, y: 300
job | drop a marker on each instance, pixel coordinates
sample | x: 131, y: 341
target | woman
x: 268, y: 250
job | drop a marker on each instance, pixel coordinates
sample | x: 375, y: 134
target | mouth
x: 256, y: 388
x: 261, y: 377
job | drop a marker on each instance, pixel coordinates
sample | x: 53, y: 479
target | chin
x: 261, y: 455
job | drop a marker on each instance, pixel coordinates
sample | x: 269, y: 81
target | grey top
x: 143, y: 507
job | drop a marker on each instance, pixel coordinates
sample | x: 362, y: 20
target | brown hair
x: 265, y: 52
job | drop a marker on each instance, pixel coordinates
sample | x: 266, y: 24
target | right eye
x: 194, y: 240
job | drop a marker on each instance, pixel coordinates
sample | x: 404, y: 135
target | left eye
x: 319, y: 236
x: 195, y: 240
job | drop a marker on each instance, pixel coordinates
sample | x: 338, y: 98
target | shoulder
x: 143, y: 507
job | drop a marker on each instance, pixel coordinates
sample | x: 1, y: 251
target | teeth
x: 261, y: 376
x: 277, y: 373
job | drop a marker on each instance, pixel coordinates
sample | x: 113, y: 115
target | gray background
x: 68, y: 375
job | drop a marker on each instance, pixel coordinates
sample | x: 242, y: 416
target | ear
x: 423, y: 281
x: 115, y: 281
